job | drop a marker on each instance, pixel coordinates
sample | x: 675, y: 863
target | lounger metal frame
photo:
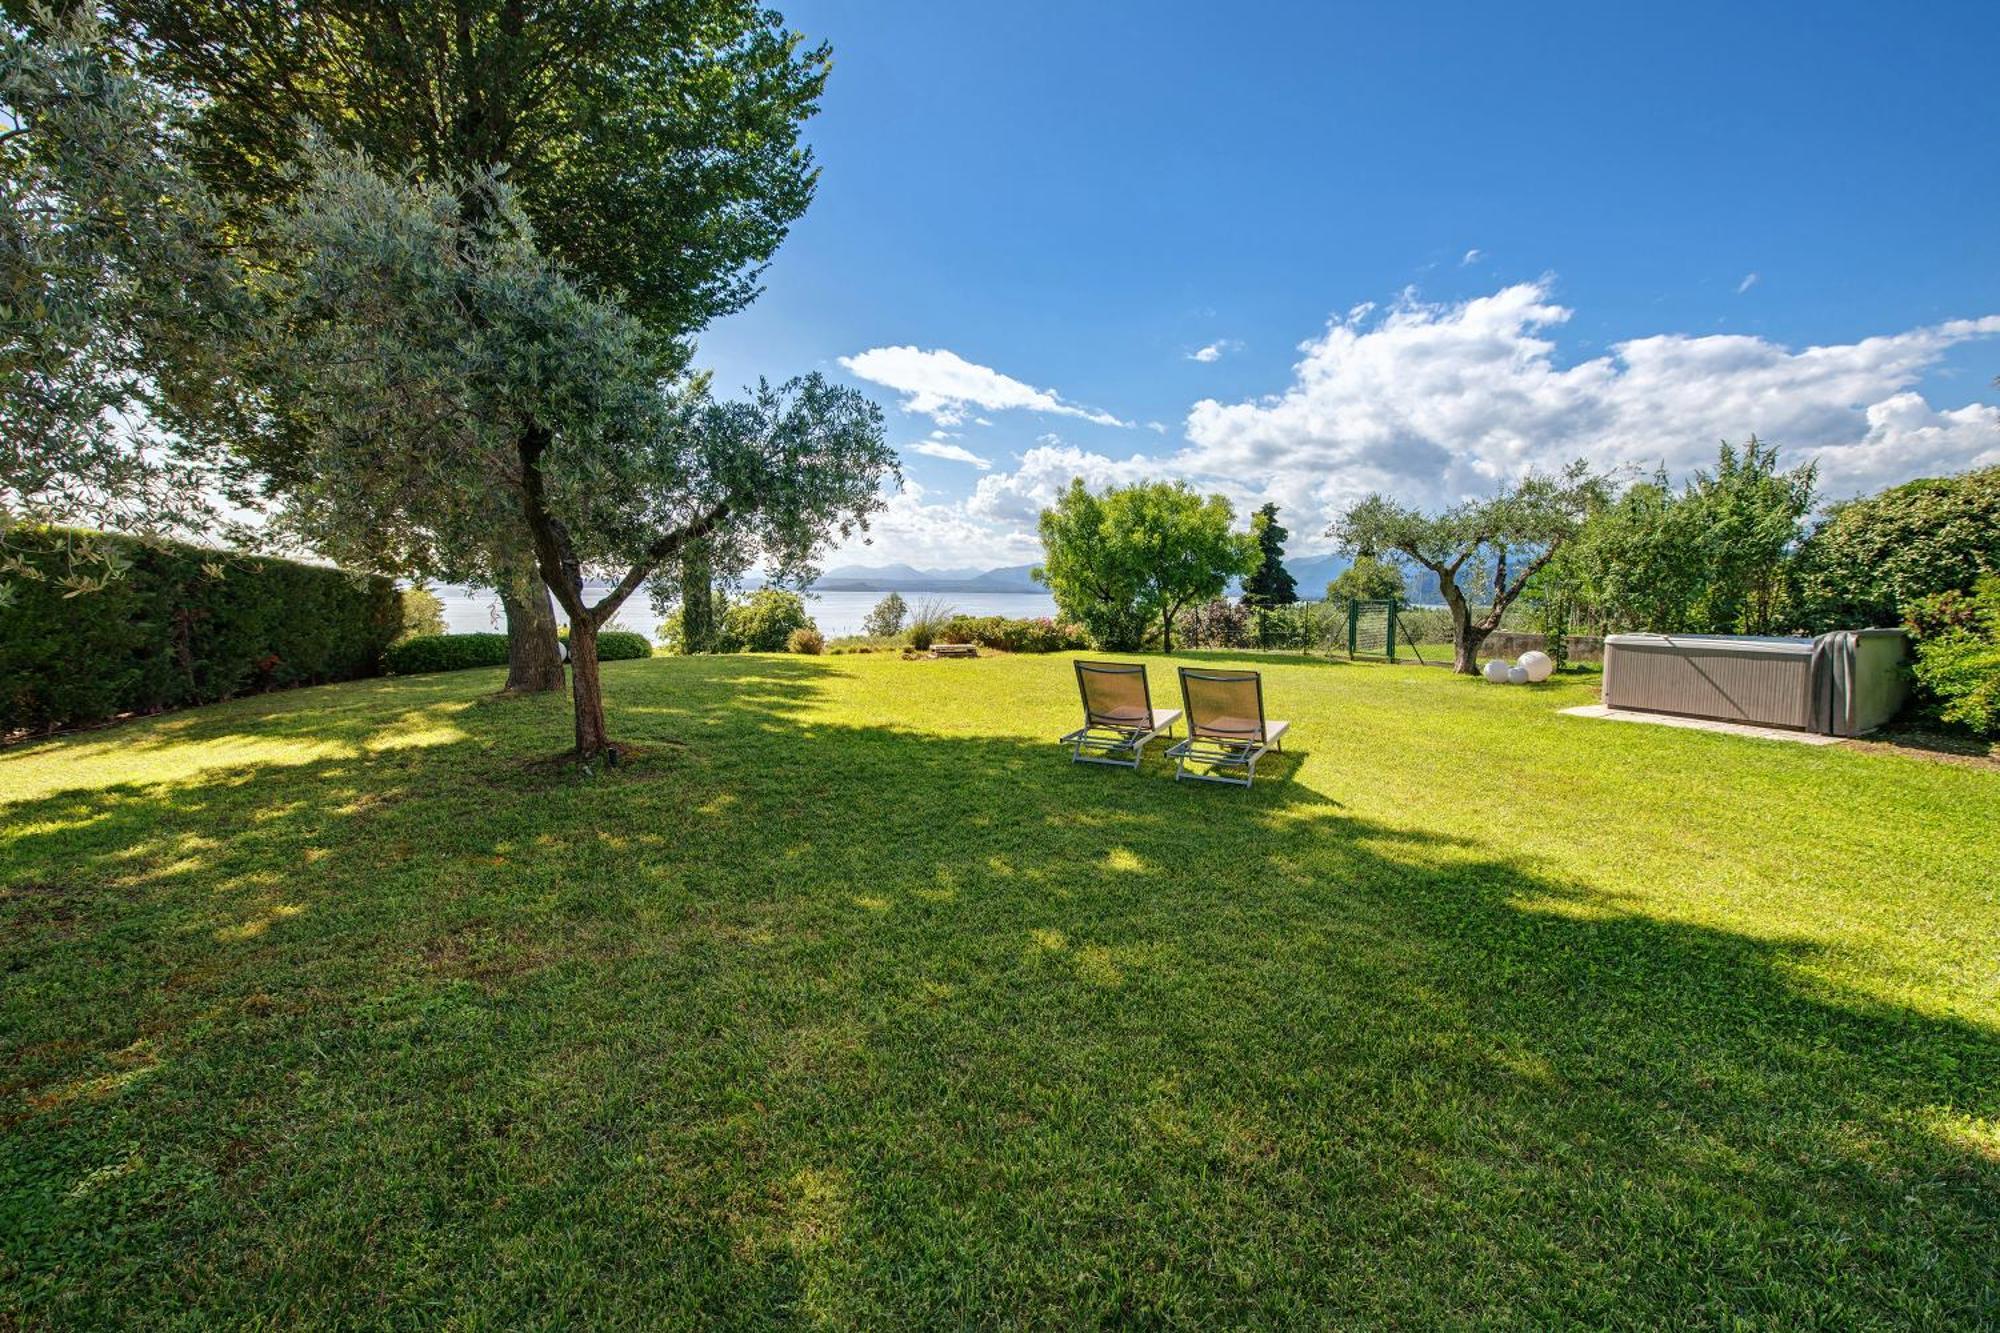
x: 1217, y: 751
x: 1105, y: 742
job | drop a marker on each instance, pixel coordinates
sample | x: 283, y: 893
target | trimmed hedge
x: 617, y: 645
x: 446, y: 652
x: 182, y: 625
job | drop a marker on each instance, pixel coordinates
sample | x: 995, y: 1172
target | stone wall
x: 1510, y: 644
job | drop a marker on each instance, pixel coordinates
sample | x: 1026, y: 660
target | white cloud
x: 1440, y: 402
x: 1435, y: 403
x: 1214, y: 351
x: 945, y: 386
x: 937, y: 448
x: 1749, y: 281
x: 1472, y: 256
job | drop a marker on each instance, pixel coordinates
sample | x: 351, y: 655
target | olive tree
x: 421, y: 356
x: 113, y: 276
x: 1508, y: 537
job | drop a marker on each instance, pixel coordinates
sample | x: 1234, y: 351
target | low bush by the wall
x: 446, y: 652
x: 1038, y: 635
x: 180, y: 625
x: 808, y: 641
x: 618, y: 645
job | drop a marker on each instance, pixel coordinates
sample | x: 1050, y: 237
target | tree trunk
x: 1466, y: 641
x: 1166, y: 631
x: 534, y: 654
x: 586, y: 690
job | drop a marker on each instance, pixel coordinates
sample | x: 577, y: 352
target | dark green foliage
x: 1958, y: 655
x: 1874, y: 557
x: 446, y: 652
x: 183, y: 625
x: 1033, y: 635
x: 763, y: 622
x: 1270, y: 584
x: 654, y: 143
x: 1301, y: 627
x: 616, y: 645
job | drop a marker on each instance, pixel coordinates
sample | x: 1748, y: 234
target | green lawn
x: 851, y: 1002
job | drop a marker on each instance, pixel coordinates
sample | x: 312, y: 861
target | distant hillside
x: 904, y: 578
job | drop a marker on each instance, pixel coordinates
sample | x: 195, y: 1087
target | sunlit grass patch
x: 852, y: 1001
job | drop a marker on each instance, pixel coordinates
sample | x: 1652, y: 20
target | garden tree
x: 1528, y: 521
x: 653, y: 144
x: 1139, y: 554
x: 1367, y: 580
x: 694, y: 589
x: 1271, y: 584
x: 1750, y: 519
x: 112, y: 273
x: 1871, y: 558
x: 425, y: 355
x: 886, y: 620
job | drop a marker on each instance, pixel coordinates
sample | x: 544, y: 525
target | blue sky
x: 1424, y: 247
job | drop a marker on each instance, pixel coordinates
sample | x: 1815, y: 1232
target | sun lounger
x: 1226, y: 726
x: 1118, y: 715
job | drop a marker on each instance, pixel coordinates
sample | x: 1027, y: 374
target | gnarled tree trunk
x: 586, y: 688
x: 534, y: 655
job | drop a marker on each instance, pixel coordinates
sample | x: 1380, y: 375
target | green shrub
x: 182, y: 625
x: 446, y: 652
x: 1301, y: 627
x: 1037, y: 635
x: 1957, y: 666
x: 886, y: 620
x: 621, y: 645
x: 808, y: 641
x: 1875, y: 557
x: 763, y: 621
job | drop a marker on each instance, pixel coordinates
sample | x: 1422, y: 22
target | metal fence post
x: 1392, y: 629
x: 1353, y: 619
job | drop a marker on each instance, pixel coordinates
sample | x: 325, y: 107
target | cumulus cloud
x: 1436, y: 403
x: 946, y: 387
x: 936, y: 447
x: 1439, y: 402
x: 1749, y: 281
x: 1214, y: 351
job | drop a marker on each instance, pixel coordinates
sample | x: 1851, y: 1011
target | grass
x: 849, y: 1002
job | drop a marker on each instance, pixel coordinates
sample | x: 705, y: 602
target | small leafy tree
x: 886, y: 620
x: 423, y: 613
x: 764, y: 621
x: 1527, y: 523
x: 1137, y: 555
x: 1367, y: 580
x: 1272, y: 584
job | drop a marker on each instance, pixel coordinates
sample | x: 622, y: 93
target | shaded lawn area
x: 849, y: 1001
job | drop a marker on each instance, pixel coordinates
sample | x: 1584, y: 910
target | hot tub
x: 1841, y: 684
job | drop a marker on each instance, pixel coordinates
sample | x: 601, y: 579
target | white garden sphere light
x: 1517, y: 675
x: 1496, y: 671
x: 1539, y: 666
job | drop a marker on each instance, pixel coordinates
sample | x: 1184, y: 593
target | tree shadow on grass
x: 799, y: 1019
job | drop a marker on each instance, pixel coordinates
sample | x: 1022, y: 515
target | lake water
x: 475, y: 610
